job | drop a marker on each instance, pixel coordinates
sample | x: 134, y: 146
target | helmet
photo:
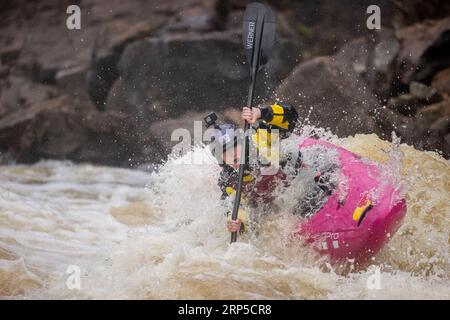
x: 225, y: 137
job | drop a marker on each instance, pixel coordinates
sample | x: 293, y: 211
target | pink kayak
x: 354, y: 227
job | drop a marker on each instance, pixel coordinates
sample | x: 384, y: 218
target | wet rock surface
x: 111, y: 92
x: 330, y: 96
x: 390, y: 80
x: 196, y: 72
x: 425, y: 49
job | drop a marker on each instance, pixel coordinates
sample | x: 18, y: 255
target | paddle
x: 258, y: 37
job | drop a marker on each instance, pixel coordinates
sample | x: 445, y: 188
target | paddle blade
x: 259, y: 25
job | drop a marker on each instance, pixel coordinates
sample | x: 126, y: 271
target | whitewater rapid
x: 139, y: 235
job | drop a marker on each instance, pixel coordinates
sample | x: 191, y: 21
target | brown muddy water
x: 136, y: 235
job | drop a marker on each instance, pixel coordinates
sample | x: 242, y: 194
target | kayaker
x: 263, y: 119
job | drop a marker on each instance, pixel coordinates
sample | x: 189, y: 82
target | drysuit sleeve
x: 227, y: 183
x: 281, y: 115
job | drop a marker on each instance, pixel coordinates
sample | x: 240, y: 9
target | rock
x: 441, y: 82
x: 354, y: 55
x: 425, y: 48
x: 434, y: 111
x: 406, y: 104
x: 92, y: 136
x: 148, y: 66
x: 386, y: 51
x: 382, y: 73
x: 43, y: 74
x: 44, y: 133
x: 117, y: 98
x: 114, y: 141
x: 426, y: 131
x: 192, y: 16
x: 72, y: 82
x: 331, y: 95
x: 4, y: 71
x: 108, y: 48
x: 140, y: 118
x: 233, y: 115
x: 441, y: 126
x: 391, y: 121
x: 20, y: 93
x: 14, y: 128
x: 10, y: 50
x: 423, y: 92
x: 192, y: 72
x: 435, y: 138
x: 412, y: 11
x: 115, y: 35
x: 446, y: 147
x: 200, y: 16
x: 162, y: 131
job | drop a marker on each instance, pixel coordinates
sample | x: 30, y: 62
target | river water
x: 133, y: 234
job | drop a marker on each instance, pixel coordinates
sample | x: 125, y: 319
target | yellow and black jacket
x: 276, y: 116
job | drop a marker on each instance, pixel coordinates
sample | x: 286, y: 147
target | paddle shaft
x: 251, y: 90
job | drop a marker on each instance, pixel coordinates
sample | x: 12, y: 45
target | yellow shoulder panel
x: 278, y: 117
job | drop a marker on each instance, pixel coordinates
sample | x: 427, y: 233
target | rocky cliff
x: 111, y: 92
